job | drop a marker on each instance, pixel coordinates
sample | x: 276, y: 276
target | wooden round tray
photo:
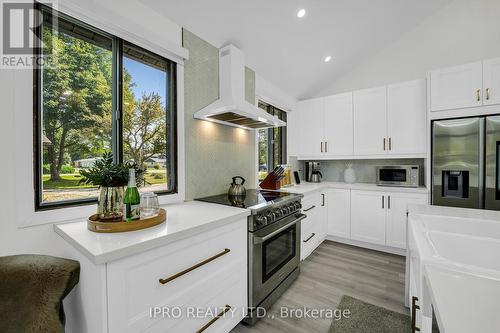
x: 93, y: 223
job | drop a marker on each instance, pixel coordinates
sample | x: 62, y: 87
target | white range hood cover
x: 231, y: 108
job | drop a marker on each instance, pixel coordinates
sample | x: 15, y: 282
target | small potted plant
x: 111, y: 178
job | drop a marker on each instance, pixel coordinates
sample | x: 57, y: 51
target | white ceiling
x: 288, y: 51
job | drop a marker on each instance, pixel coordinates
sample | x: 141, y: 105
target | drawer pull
x: 309, y: 238
x: 206, y: 261
x: 308, y: 209
x: 214, y: 319
x: 414, y: 308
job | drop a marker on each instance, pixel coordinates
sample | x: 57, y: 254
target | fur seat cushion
x: 32, y: 288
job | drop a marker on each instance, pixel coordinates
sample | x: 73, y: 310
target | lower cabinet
x: 397, y: 204
x: 368, y: 217
x: 338, y: 211
x: 163, y: 289
x: 313, y: 227
x: 373, y: 217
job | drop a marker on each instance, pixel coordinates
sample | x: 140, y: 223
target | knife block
x: 270, y: 183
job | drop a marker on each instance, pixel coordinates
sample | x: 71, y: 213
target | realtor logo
x: 21, y: 43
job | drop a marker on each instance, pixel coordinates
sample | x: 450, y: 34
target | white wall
x: 462, y: 32
x: 16, y: 97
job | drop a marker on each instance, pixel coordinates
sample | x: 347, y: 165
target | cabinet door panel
x: 406, y: 117
x: 397, y: 204
x: 338, y: 205
x: 456, y: 87
x: 491, y: 81
x: 370, y: 121
x: 338, y: 124
x: 311, y: 126
x: 368, y: 216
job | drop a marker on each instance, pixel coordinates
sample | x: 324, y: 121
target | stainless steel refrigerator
x: 466, y: 162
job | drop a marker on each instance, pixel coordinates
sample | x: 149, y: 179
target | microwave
x: 398, y: 175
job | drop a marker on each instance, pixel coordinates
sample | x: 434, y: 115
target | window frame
x: 117, y: 113
x: 282, y: 137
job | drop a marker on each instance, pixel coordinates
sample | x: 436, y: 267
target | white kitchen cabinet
x: 370, y: 121
x: 457, y: 87
x: 313, y: 228
x: 396, y: 224
x: 379, y: 217
x: 368, y: 215
x: 338, y: 124
x: 406, y: 118
x: 491, y: 81
x: 311, y: 127
x: 338, y: 212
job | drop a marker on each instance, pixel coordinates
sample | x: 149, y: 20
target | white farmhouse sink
x: 466, y: 226
x: 466, y: 250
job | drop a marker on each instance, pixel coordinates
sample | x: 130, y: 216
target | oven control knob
x: 285, y: 210
x: 278, y: 212
x: 261, y: 221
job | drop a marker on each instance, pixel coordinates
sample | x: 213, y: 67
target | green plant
x: 157, y: 166
x: 46, y: 169
x: 106, y: 173
x: 67, y: 169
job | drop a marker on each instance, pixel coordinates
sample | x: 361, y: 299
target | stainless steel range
x: 273, y: 243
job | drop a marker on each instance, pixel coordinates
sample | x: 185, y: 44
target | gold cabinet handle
x: 308, y: 209
x: 384, y: 144
x: 214, y: 319
x: 321, y: 146
x: 309, y: 238
x: 414, y: 308
x: 487, y: 94
x: 478, y: 94
x: 322, y: 199
x: 204, y: 262
x: 390, y: 143
x: 326, y: 146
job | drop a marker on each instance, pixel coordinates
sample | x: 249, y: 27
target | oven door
x: 395, y: 176
x: 274, y: 254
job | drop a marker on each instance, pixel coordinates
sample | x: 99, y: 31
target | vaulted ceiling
x: 289, y: 51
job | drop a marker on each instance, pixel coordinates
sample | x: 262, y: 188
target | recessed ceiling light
x: 301, y: 13
x: 328, y: 58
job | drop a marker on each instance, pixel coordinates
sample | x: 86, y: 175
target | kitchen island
x: 152, y: 279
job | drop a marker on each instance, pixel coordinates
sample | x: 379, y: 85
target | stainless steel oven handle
x: 258, y: 240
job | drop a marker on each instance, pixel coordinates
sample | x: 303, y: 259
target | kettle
x: 237, y: 189
x: 316, y: 177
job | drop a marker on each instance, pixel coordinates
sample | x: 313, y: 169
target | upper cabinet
x: 310, y: 127
x: 338, y: 125
x: 325, y: 126
x: 464, y: 86
x: 370, y: 121
x: 406, y: 118
x: 391, y: 120
x: 491, y: 81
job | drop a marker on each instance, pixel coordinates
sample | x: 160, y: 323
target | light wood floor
x: 334, y: 270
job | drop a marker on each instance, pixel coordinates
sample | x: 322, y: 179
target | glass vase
x: 110, y: 204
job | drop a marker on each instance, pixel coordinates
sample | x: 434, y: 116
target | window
x: 96, y: 93
x: 272, y: 143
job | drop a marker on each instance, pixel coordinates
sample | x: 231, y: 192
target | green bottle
x: 132, y: 198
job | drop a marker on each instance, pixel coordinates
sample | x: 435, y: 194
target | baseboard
x: 387, y: 249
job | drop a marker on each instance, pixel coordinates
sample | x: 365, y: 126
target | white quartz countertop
x: 304, y: 187
x: 183, y: 220
x: 463, y: 302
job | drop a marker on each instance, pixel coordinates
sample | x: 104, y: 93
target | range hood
x: 231, y: 108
